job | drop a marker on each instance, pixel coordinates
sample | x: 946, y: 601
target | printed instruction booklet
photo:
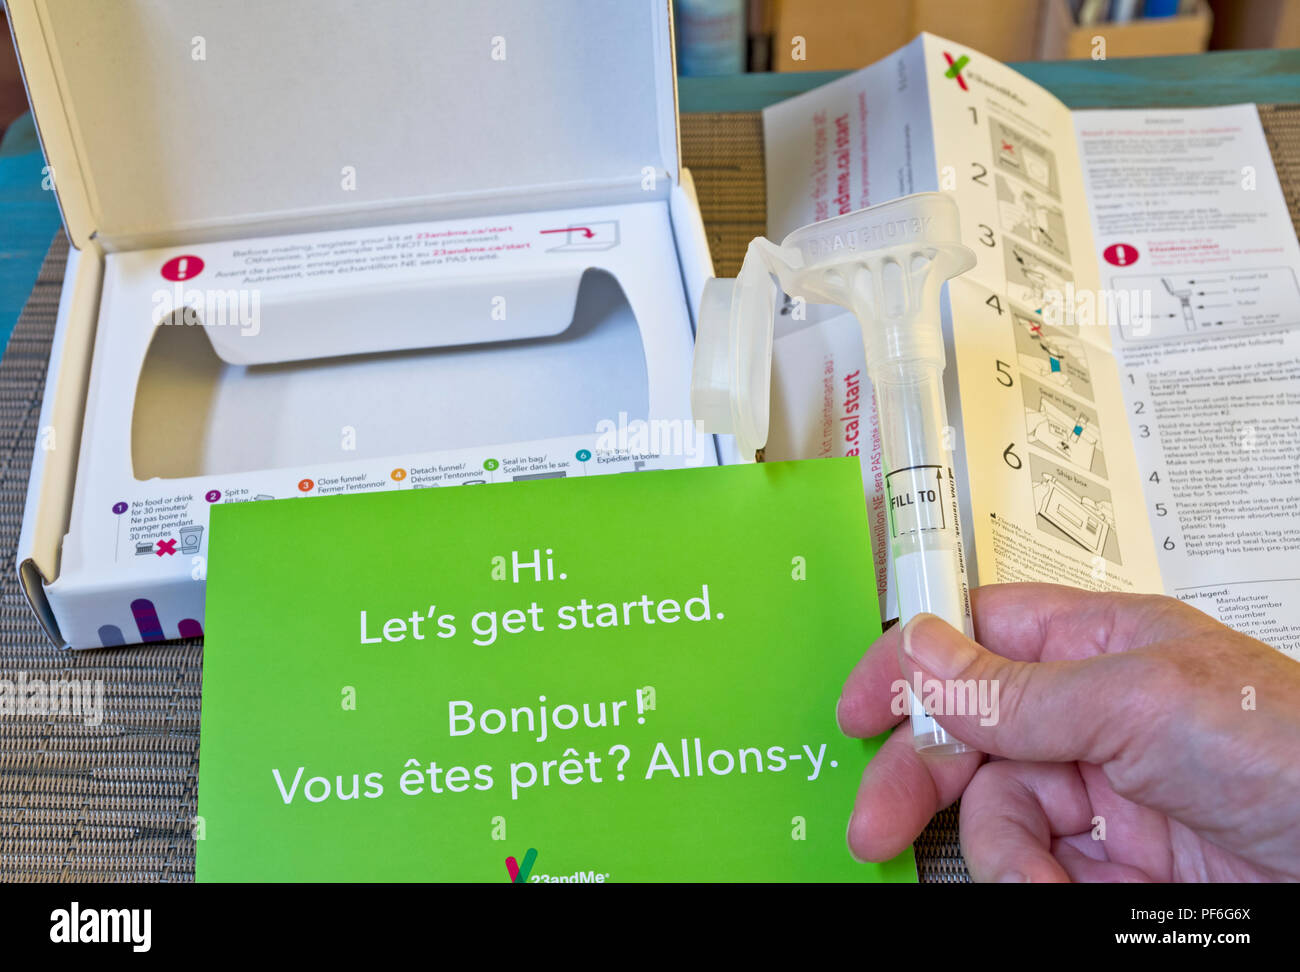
x: 602, y: 679
x: 1121, y: 360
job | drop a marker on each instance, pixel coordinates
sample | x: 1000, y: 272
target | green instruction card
x: 612, y: 678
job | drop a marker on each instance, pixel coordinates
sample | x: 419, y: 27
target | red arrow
x: 573, y: 229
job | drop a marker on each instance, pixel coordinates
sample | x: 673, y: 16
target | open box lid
x: 171, y: 120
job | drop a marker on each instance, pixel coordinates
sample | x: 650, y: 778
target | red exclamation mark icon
x: 182, y: 268
x: 1120, y: 254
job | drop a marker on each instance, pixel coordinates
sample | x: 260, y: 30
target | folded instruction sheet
x: 1125, y: 349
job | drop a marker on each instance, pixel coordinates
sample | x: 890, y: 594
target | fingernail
x: 848, y: 830
x: 940, y: 649
x: 839, y: 725
x: 1013, y: 877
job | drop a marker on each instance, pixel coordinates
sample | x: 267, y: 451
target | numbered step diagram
x: 1054, y: 355
x: 1063, y: 427
x: 1016, y: 153
x: 1183, y: 304
x: 1030, y: 215
x: 1033, y: 281
x: 1072, y: 508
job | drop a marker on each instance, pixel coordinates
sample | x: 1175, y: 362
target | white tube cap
x: 732, y: 376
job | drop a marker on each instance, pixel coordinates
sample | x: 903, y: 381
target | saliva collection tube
x: 887, y: 264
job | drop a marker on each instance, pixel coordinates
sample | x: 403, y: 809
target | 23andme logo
x: 519, y: 872
x: 955, y: 68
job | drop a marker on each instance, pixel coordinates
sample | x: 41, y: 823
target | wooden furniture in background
x: 1060, y: 38
x: 13, y: 99
x: 1254, y: 24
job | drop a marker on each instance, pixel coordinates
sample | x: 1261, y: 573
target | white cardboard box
x: 325, y: 247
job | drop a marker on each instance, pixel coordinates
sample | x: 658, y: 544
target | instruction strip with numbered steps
x: 1147, y: 313
x: 159, y: 523
x: 1052, y: 474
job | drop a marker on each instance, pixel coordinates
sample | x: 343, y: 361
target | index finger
x: 866, y: 708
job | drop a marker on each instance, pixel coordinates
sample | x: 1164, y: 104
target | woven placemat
x: 116, y: 802
x: 113, y: 802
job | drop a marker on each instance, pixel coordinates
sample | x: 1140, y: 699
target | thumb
x: 1058, y: 711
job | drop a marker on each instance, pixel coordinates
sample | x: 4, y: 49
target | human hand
x: 1181, y: 734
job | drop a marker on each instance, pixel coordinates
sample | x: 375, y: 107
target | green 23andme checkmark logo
x: 519, y: 872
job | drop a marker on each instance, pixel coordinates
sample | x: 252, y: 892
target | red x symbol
x: 166, y: 547
x: 955, y: 69
x: 1008, y: 147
